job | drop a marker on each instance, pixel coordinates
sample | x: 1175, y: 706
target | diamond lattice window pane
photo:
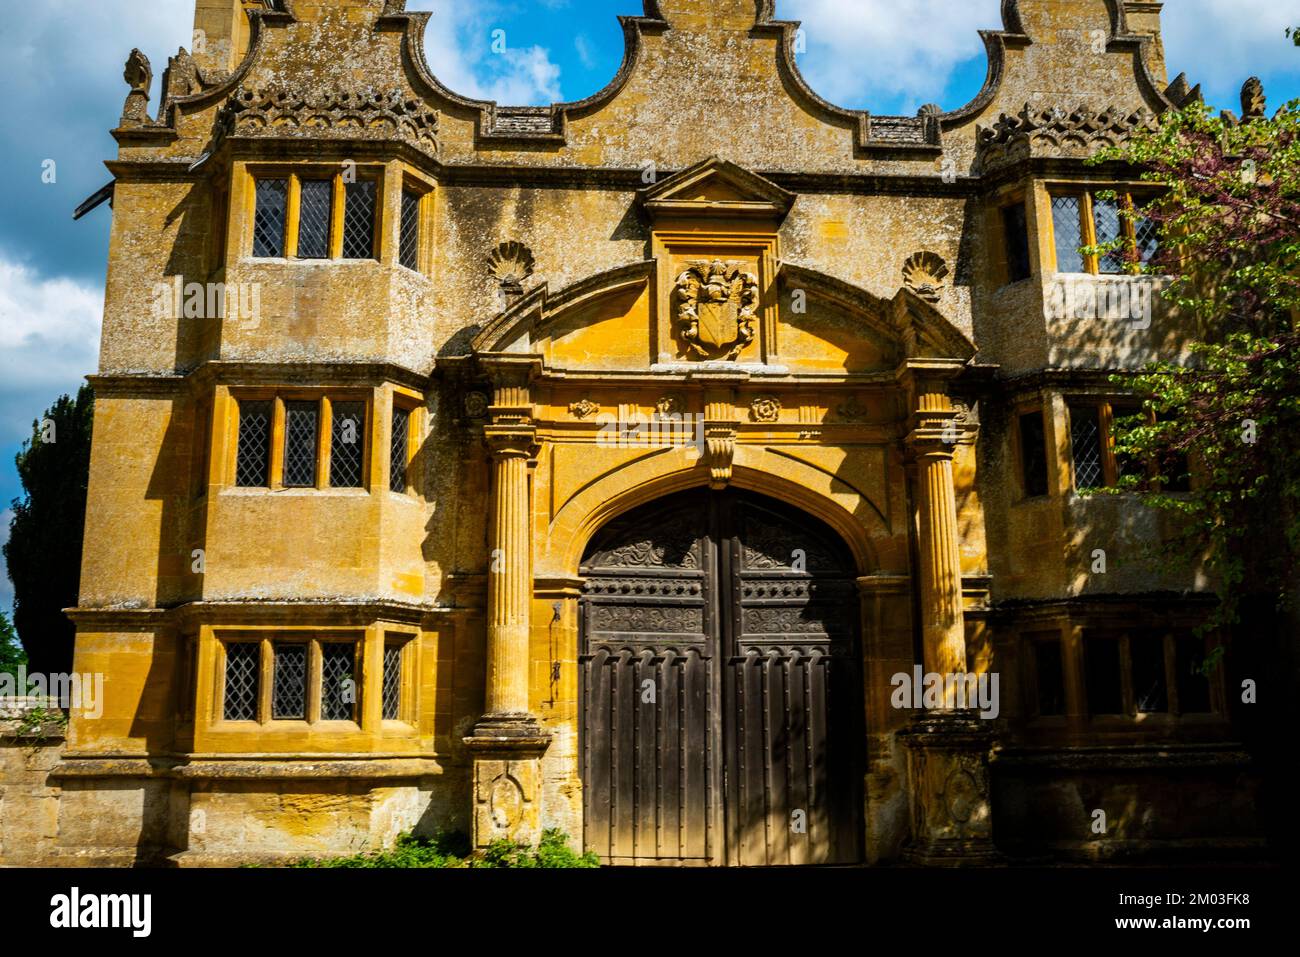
x: 1147, y: 234
x: 1085, y: 437
x: 242, y: 682
x: 252, y: 463
x: 338, y: 686
x: 300, y: 444
x: 359, y: 221
x: 289, y: 689
x: 272, y: 205
x: 398, y: 456
x: 1110, y: 227
x: 409, y: 251
x: 392, y: 682
x: 1069, y: 236
x: 314, y: 209
x: 347, y: 444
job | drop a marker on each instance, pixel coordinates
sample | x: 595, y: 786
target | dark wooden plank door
x: 720, y: 685
x: 650, y: 688
x: 791, y: 689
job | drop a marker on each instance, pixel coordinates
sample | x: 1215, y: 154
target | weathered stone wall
x: 832, y: 203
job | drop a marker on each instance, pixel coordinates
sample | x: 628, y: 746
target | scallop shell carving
x: 510, y: 264
x: 924, y: 273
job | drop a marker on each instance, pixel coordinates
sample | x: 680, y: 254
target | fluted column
x: 507, y: 742
x: 943, y: 625
x: 509, y: 584
x: 939, y: 428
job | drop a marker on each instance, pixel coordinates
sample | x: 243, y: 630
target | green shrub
x: 453, y: 850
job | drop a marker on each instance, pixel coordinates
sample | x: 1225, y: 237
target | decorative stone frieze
x: 1054, y: 132
x: 335, y: 114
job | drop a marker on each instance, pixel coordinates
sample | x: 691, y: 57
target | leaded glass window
x: 1016, y: 232
x: 300, y: 430
x: 1033, y: 454
x: 392, y: 690
x: 253, y: 459
x: 359, y: 220
x: 1110, y: 229
x: 289, y: 688
x: 409, y: 248
x: 347, y: 444
x: 1146, y: 234
x: 315, y: 207
x: 270, y: 216
x: 243, y: 681
x: 338, y: 684
x: 1050, y: 676
x: 1150, y: 690
x: 399, y: 449
x: 1067, y: 224
x: 1085, y: 440
x: 1102, y: 666
x: 1193, y: 684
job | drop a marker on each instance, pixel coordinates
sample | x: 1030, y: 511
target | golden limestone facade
x: 620, y: 466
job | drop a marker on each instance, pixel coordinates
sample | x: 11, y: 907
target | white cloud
x: 1219, y: 43
x: 881, y: 50
x: 876, y: 52
x: 583, y: 48
x: 459, y: 48
x: 49, y: 340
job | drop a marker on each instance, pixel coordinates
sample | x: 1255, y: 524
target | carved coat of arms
x: 717, y: 307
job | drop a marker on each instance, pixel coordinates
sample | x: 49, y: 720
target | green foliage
x: 11, y: 652
x: 43, y: 553
x: 1229, y: 215
x: 41, y: 724
x: 453, y: 850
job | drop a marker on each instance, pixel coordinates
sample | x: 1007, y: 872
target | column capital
x: 510, y: 440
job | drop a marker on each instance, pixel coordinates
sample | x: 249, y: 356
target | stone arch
x: 646, y: 479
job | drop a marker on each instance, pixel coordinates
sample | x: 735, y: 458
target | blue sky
x: 61, y: 67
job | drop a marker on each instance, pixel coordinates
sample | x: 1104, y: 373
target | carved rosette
x: 765, y: 408
x: 671, y: 404
x: 717, y: 306
x: 386, y: 115
x: 476, y: 405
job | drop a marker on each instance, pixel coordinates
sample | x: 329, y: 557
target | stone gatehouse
x: 621, y: 466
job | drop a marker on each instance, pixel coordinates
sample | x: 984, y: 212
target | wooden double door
x: 721, y: 686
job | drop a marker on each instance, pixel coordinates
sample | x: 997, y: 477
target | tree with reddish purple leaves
x: 1224, y: 424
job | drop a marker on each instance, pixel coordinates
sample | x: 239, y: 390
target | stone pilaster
x: 507, y: 742
x: 948, y: 749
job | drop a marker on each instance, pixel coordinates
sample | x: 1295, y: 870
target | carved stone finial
x: 139, y: 76
x: 181, y: 77
x: 1253, y: 102
x: 924, y: 273
x: 510, y: 264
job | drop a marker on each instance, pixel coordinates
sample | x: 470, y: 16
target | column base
x: 507, y: 750
x: 948, y: 762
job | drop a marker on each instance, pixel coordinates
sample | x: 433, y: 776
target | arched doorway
x: 721, y: 686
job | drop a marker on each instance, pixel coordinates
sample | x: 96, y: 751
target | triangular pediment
x: 717, y: 187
